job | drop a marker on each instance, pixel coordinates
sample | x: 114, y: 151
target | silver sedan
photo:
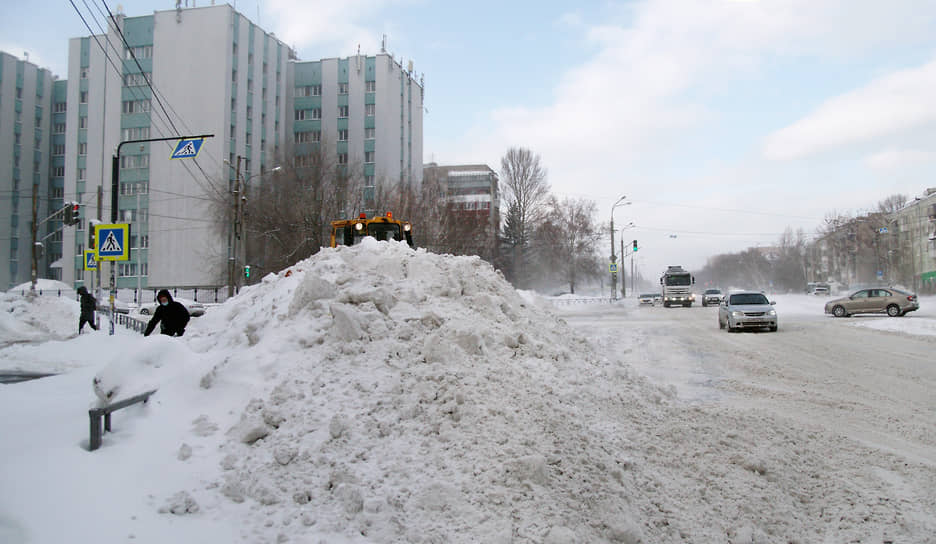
x: 747, y: 310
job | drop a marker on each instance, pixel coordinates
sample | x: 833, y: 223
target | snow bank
x: 413, y: 397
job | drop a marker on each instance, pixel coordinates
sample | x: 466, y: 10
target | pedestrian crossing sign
x: 112, y: 242
x: 187, y: 148
x: 90, y: 263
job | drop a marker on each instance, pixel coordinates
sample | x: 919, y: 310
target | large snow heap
x: 413, y: 397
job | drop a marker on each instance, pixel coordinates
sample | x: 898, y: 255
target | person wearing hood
x: 170, y: 313
x: 88, y: 305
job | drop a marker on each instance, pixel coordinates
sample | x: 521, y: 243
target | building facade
x: 182, y: 72
x: 896, y: 248
x: 472, y: 197
x: 30, y: 164
x: 367, y: 110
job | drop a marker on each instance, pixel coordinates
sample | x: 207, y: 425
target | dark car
x: 878, y: 300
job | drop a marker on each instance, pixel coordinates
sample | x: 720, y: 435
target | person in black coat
x: 172, y: 314
x: 88, y: 305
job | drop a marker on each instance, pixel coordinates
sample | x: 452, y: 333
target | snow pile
x: 414, y: 397
x: 37, y: 318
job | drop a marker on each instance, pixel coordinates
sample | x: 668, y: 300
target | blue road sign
x: 112, y: 242
x: 187, y: 148
x: 90, y: 262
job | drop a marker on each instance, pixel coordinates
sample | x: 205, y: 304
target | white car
x: 195, y: 309
x: 747, y: 310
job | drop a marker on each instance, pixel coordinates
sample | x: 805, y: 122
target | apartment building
x: 29, y: 103
x: 183, y: 72
x: 367, y: 110
x: 472, y: 197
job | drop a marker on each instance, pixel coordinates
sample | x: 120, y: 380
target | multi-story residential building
x: 27, y: 145
x: 183, y: 72
x: 368, y: 111
x: 472, y: 199
x: 896, y: 248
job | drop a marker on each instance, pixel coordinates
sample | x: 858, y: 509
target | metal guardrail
x: 95, y: 414
x: 571, y: 301
x: 125, y: 320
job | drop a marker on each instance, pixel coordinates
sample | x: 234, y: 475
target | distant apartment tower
x: 212, y: 71
x: 30, y: 157
x: 367, y: 110
x: 472, y: 197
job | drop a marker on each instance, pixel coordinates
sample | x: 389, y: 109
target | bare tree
x: 567, y: 240
x: 288, y: 216
x: 892, y: 203
x: 525, y: 194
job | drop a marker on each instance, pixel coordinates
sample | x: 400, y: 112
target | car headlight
x: 772, y: 312
x: 737, y: 314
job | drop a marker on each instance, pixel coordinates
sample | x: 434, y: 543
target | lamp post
x: 236, y: 228
x: 620, y: 202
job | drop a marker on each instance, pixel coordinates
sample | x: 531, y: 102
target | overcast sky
x: 722, y: 121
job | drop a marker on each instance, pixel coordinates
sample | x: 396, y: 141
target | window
x: 134, y: 161
x: 140, y: 52
x: 136, y: 106
x: 249, y: 58
x: 369, y: 133
x: 135, y: 80
x: 84, y: 72
x: 342, y: 88
x: 82, y: 172
x: 300, y: 115
x: 249, y: 112
x: 316, y: 113
x: 82, y: 97
x: 83, y: 121
x: 234, y: 76
x: 343, y: 135
x: 368, y: 156
x: 371, y: 86
x: 82, y: 148
x: 316, y: 90
x: 137, y: 133
x: 19, y: 93
x: 144, y: 242
x: 342, y: 111
x: 60, y: 107
x: 58, y: 171
x: 233, y: 104
x: 370, y: 109
x: 316, y: 135
x: 369, y: 180
x: 59, y: 128
x: 342, y: 158
x: 265, y: 67
x: 303, y: 137
x: 250, y: 85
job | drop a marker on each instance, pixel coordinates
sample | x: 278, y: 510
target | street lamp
x: 620, y: 202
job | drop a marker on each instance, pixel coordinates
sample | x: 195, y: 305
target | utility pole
x: 233, y: 230
x: 34, y: 273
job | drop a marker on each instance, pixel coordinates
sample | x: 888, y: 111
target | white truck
x: 677, y: 287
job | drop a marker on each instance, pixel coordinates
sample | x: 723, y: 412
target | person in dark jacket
x: 88, y: 305
x: 172, y: 314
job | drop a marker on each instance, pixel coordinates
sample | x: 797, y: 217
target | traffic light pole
x: 115, y: 191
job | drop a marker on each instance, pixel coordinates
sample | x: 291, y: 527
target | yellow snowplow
x: 348, y: 232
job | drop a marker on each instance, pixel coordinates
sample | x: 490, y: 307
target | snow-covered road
x: 870, y: 393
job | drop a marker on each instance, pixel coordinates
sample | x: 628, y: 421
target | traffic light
x: 635, y: 245
x: 72, y: 210
x: 247, y: 271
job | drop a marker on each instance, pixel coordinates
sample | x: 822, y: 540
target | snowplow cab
x: 348, y: 232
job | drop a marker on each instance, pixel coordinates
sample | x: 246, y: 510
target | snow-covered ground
x: 381, y: 394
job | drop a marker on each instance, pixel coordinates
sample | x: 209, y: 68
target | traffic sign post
x: 90, y: 263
